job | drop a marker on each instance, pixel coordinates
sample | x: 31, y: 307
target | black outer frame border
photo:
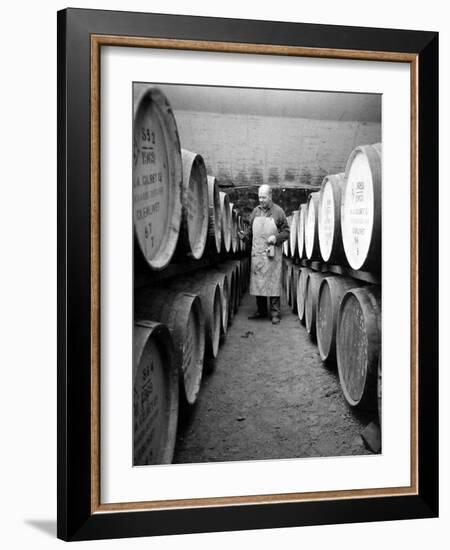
x: 75, y: 521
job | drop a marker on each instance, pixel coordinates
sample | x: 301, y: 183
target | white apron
x: 265, y: 277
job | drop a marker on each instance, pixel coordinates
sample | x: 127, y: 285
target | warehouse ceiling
x: 278, y: 103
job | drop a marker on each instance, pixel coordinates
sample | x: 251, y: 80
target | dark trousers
x: 261, y: 303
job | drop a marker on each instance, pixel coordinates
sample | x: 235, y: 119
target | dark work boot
x: 261, y: 311
x: 257, y: 315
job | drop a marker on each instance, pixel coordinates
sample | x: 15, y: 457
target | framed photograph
x: 203, y: 162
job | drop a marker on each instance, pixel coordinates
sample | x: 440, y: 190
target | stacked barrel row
x: 178, y: 209
x: 179, y: 214
x: 343, y: 315
x: 179, y: 326
x: 341, y: 223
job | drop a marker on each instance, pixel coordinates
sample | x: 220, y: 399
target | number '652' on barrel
x: 157, y: 180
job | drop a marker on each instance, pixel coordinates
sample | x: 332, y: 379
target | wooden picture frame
x: 81, y: 35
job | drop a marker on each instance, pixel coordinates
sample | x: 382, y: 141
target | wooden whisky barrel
x: 238, y: 274
x: 361, y: 209
x: 195, y: 206
x: 301, y: 292
x: 295, y: 276
x: 301, y: 231
x: 379, y: 391
x: 234, y: 302
x: 283, y: 274
x: 221, y: 278
x: 157, y: 180
x: 311, y: 299
x: 377, y: 147
x: 293, y: 234
x: 331, y: 292
x: 234, y: 229
x: 183, y: 314
x: 329, y: 222
x: 244, y: 275
x: 209, y: 294
x: 358, y: 344
x: 288, y: 281
x: 214, y: 240
x: 312, y: 249
x: 232, y: 267
x: 226, y: 220
x: 287, y: 243
x: 155, y: 394
x: 229, y: 271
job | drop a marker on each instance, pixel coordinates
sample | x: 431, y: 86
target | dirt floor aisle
x: 268, y: 397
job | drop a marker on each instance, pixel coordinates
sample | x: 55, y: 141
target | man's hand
x: 271, y: 239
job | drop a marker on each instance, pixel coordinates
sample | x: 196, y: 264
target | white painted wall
x: 251, y: 150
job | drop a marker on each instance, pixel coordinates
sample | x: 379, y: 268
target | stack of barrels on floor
x: 332, y: 270
x: 180, y: 215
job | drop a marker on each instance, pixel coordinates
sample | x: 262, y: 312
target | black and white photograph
x: 257, y: 229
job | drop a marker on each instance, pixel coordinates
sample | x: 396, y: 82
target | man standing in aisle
x: 269, y: 229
